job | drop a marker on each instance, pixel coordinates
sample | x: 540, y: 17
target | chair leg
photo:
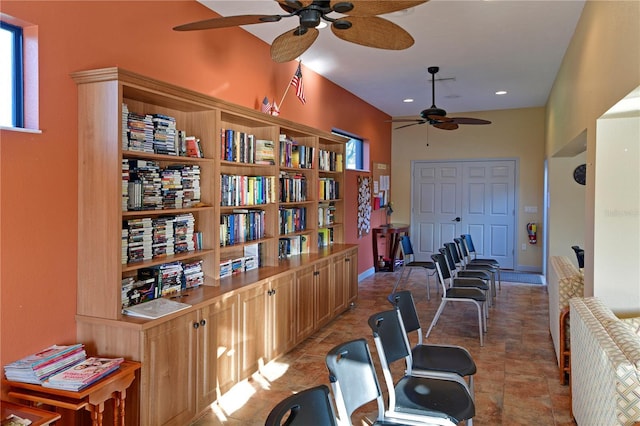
x: 435, y: 318
x: 481, y: 324
x: 428, y: 286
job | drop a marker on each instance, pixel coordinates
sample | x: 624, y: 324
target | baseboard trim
x: 366, y: 274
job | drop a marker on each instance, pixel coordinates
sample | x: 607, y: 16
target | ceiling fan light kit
x: 437, y: 117
x: 360, y: 25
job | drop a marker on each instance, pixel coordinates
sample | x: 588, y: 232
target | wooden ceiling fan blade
x: 439, y: 118
x: 408, y: 125
x: 227, y: 21
x: 372, y: 31
x: 466, y: 120
x: 371, y: 8
x: 291, y: 44
x: 292, y: 5
x: 446, y: 126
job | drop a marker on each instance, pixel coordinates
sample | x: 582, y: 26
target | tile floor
x: 516, y: 384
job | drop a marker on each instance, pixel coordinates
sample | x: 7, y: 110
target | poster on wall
x: 364, y: 205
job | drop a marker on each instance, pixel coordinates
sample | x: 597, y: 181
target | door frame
x: 516, y: 195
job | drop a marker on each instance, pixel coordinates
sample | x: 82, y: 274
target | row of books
x: 326, y: 215
x: 241, y: 147
x: 146, y: 186
x: 147, y: 238
x: 330, y: 161
x: 292, y: 220
x: 252, y: 259
x: 328, y: 189
x: 295, y: 155
x: 162, y: 280
x: 292, y: 246
x: 325, y: 237
x: 293, y: 187
x: 236, y: 190
x: 241, y: 226
x: 157, y: 134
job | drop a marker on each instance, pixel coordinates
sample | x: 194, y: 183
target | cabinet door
x: 169, y: 369
x: 282, y: 315
x: 304, y: 293
x: 339, y: 287
x: 351, y: 272
x: 323, y: 308
x: 219, y: 352
x: 255, y: 329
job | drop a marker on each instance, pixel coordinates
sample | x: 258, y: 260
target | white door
x: 475, y: 197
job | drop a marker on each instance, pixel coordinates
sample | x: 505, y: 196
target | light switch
x: 531, y: 209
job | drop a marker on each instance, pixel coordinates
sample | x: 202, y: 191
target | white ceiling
x: 481, y: 46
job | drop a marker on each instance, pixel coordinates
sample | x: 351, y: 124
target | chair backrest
x: 310, y: 406
x: 446, y: 251
x: 353, y: 379
x: 442, y: 271
x: 462, y: 250
x: 469, y: 242
x: 406, y: 247
x: 579, y: 255
x: 388, y: 331
x: 403, y: 301
x: 455, y: 255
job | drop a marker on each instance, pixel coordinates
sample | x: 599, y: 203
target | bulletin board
x: 381, y: 185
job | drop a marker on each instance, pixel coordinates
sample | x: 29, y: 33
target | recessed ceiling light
x: 408, y: 100
x: 501, y: 92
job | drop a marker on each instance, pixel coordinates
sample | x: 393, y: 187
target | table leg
x: 119, y: 401
x: 96, y: 413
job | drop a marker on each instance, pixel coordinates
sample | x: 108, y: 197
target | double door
x: 475, y: 197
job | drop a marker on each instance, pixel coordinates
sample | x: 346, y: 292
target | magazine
x: 155, y: 308
x: 83, y: 374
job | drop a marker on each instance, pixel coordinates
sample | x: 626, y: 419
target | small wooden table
x: 91, y: 398
x: 37, y: 416
x: 395, y: 231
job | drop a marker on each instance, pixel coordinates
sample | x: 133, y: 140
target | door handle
x: 457, y: 219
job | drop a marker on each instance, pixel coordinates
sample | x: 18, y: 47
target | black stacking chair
x: 469, y: 264
x: 410, y: 263
x: 308, y: 407
x: 429, y: 357
x: 458, y: 294
x: 473, y: 258
x: 447, y: 397
x: 478, y: 279
x: 579, y: 255
x: 354, y: 383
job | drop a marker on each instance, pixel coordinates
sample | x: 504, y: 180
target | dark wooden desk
x: 393, y: 231
x: 37, y: 416
x: 91, y: 398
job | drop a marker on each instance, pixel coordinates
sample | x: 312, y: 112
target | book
x: 84, y: 373
x: 13, y: 420
x: 155, y: 308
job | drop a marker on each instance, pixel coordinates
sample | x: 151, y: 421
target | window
x: 11, y: 76
x: 354, y: 158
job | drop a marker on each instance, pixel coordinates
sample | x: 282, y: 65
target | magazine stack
x: 36, y: 368
x: 83, y: 374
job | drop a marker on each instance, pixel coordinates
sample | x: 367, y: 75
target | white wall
x: 616, y: 233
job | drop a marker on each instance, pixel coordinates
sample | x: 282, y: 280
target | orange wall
x: 38, y: 172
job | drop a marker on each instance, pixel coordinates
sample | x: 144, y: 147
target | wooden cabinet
x: 351, y: 274
x: 236, y: 323
x: 189, y: 362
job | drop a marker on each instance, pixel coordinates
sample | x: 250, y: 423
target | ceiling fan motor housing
x: 425, y: 113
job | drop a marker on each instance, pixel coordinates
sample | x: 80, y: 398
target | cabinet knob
x: 273, y: 291
x: 203, y: 322
x: 347, y: 260
x: 196, y: 325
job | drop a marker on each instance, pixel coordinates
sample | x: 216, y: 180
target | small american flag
x: 266, y: 106
x: 296, y: 81
x: 275, y: 109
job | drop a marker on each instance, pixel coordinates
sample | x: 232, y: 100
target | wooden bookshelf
x: 257, y: 315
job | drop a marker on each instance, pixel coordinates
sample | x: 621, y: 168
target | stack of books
x: 38, y: 367
x: 84, y: 373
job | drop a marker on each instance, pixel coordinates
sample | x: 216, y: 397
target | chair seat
x: 483, y: 275
x: 475, y: 283
x: 417, y: 395
x: 443, y: 358
x: 428, y: 265
x: 485, y: 260
x: 466, y: 293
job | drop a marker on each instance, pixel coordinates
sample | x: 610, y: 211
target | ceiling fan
x: 359, y: 24
x: 435, y: 116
